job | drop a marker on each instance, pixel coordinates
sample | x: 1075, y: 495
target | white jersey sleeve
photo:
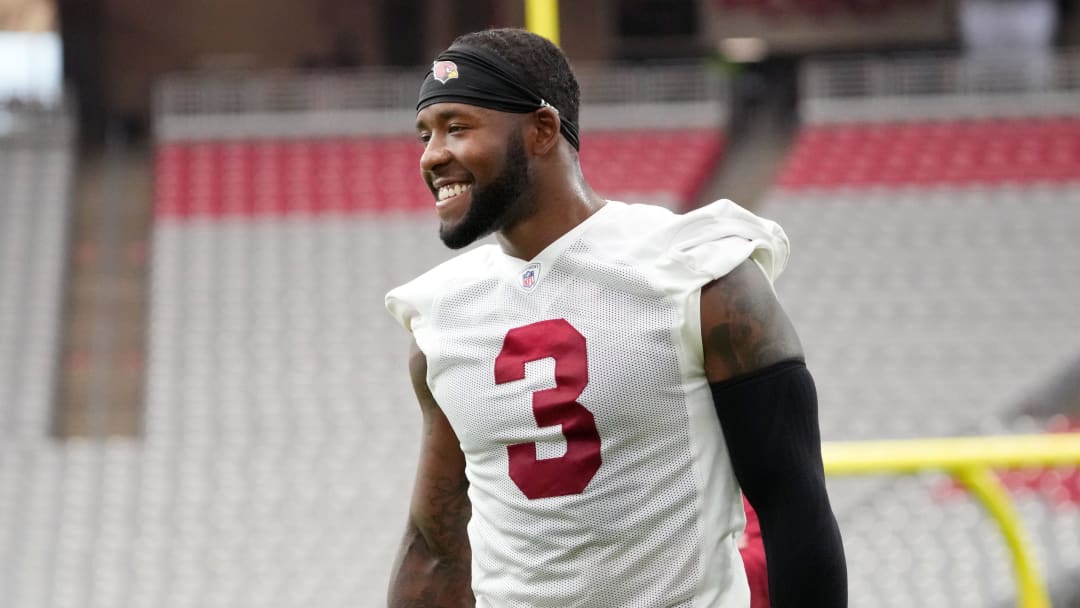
x: 411, y: 303
x: 711, y: 241
x: 575, y: 383
x: 706, y: 244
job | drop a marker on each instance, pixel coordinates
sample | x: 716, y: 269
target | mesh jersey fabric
x: 585, y: 366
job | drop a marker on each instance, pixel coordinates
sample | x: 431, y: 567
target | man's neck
x: 554, y: 217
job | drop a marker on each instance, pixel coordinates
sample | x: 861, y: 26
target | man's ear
x: 544, y: 131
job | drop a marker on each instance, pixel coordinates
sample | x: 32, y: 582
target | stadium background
x: 202, y: 402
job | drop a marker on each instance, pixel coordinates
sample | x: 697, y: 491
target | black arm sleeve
x: 769, y: 420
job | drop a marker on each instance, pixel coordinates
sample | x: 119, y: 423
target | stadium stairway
x: 753, y: 157
x: 102, y: 375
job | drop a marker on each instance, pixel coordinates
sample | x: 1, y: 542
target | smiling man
x: 598, y: 386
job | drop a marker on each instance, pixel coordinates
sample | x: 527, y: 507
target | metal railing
x: 48, y: 120
x: 242, y: 92
x: 940, y: 74
x: 652, y: 83
x: 384, y: 88
x: 928, y: 86
x: 380, y: 101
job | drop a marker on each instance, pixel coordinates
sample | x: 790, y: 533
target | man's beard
x: 498, y: 205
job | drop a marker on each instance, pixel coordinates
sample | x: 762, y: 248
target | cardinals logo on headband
x: 444, y: 70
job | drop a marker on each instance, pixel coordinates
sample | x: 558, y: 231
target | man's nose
x: 435, y: 154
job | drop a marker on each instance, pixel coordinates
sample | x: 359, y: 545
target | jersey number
x: 571, y: 472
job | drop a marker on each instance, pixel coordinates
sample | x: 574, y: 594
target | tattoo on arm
x: 448, y: 512
x: 743, y: 326
x: 433, y: 568
x: 444, y: 507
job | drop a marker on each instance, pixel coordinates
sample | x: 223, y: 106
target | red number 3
x: 571, y: 472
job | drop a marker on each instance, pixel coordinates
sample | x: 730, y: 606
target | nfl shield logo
x: 530, y: 275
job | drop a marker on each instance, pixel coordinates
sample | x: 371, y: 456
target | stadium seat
x: 935, y: 152
x: 272, y: 177
x: 932, y: 283
x: 35, y: 178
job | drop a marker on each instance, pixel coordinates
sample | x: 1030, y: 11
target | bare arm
x: 432, y: 569
x: 743, y: 327
x: 767, y: 405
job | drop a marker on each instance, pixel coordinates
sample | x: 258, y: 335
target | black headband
x: 478, y: 77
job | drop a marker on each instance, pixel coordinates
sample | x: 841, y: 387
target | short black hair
x: 538, y: 57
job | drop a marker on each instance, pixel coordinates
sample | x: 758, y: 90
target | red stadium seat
x: 935, y: 153
x: 349, y: 175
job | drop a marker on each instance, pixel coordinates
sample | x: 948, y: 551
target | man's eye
x: 455, y: 128
x: 424, y: 137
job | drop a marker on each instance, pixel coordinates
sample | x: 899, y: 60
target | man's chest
x: 593, y: 364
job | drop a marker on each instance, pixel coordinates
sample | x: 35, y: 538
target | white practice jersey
x: 575, y: 382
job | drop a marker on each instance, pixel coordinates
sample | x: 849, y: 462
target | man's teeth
x: 451, y: 190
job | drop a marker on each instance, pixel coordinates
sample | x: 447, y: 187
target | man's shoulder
x: 409, y: 299
x: 651, y: 230
x: 476, y: 260
x: 680, y: 249
x: 631, y: 230
x: 661, y: 221
x: 639, y: 214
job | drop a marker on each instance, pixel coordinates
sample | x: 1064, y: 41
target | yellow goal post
x: 970, y: 461
x: 542, y: 17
